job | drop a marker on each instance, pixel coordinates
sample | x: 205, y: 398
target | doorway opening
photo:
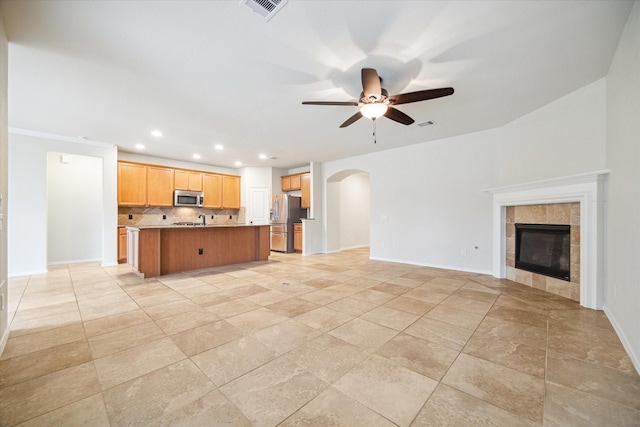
x: 348, y: 210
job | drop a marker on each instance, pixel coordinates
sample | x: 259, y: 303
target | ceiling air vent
x: 266, y: 8
x: 427, y: 123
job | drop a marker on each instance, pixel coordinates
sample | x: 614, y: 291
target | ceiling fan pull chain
x: 374, y: 131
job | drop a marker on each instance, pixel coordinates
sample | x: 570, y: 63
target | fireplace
x: 544, y: 249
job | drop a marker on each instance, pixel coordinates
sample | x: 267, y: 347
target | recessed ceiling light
x: 196, y: 156
x: 263, y: 156
x: 219, y: 147
x: 238, y: 163
x: 156, y: 133
x: 140, y: 146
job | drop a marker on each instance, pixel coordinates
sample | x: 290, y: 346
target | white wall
x: 4, y: 318
x: 622, y: 300
x: 354, y: 211
x: 27, y: 228
x: 74, y: 208
x: 427, y: 200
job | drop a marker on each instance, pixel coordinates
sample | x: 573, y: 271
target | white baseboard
x: 443, y: 267
x: 623, y: 338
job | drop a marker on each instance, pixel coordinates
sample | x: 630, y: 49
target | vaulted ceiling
x: 214, y: 72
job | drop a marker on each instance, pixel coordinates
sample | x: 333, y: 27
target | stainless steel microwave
x: 188, y: 198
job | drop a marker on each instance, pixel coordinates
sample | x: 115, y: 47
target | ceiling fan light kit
x: 376, y: 102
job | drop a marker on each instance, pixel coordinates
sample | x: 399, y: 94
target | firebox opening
x: 544, y: 249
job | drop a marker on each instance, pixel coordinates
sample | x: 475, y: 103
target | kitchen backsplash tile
x: 153, y: 216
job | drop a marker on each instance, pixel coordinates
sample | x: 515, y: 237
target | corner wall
x: 4, y: 294
x: 622, y: 300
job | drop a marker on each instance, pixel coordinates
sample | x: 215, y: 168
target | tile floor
x: 324, y: 340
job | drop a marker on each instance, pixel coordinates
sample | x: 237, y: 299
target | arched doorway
x: 348, y: 210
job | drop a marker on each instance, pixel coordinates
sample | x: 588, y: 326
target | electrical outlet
x: 230, y: 216
x: 130, y: 216
x: 200, y: 251
x: 211, y: 216
x: 164, y: 217
x: 463, y: 252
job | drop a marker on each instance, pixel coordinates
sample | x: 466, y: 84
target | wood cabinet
x: 292, y: 182
x: 305, y: 184
x: 132, y: 184
x: 122, y: 245
x: 230, y: 192
x: 212, y: 188
x: 159, y: 186
x: 297, y: 237
x: 187, y: 180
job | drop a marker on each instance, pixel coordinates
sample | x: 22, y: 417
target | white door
x: 259, y: 205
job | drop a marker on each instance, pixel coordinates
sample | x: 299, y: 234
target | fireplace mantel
x: 589, y: 190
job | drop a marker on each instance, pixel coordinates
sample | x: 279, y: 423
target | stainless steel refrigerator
x: 285, y: 211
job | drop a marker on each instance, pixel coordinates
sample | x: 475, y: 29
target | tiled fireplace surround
x: 582, y: 198
x: 552, y: 213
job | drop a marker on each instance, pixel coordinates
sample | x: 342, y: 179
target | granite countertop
x: 189, y: 227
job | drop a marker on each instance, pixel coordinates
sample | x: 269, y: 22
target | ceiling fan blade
x: 371, y: 84
x: 398, y: 116
x: 352, y: 119
x: 347, y: 103
x: 421, y: 95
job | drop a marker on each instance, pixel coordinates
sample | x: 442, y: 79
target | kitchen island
x: 161, y: 250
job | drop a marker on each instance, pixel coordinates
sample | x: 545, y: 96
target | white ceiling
x: 209, y: 72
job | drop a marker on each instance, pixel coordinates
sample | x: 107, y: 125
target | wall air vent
x: 428, y: 123
x: 265, y: 8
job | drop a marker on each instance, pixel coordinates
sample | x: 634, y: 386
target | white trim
x: 442, y: 267
x: 623, y: 339
x: 589, y: 190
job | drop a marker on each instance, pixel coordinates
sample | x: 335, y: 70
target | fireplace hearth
x: 544, y: 249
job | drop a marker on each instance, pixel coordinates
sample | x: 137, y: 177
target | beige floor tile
x: 41, y: 340
x: 363, y: 334
x: 440, y: 333
x: 29, y: 399
x: 518, y: 316
x: 426, y: 295
x: 172, y: 308
x: 146, y: 399
x: 450, y: 407
x: 134, y: 362
x: 122, y: 339
x: 423, y: 357
x: 514, y: 355
x: 455, y: 317
x: 108, y: 324
x: 514, y: 391
x: 43, y: 362
x: 202, y: 338
x: 292, y: 307
x: 267, y: 298
x: 565, y: 406
x: 391, y: 390
x: 324, y: 319
x: 285, y: 336
x: 457, y: 301
x: 513, y: 331
x: 409, y: 305
x: 232, y: 308
x: 45, y: 323
x: 618, y: 386
x: 89, y: 411
x: 211, y: 409
x: 334, y: 408
x: 328, y: 358
x: 325, y: 296
x: 374, y: 297
x: 352, y: 306
x: 233, y: 359
x: 254, y: 320
x: 184, y: 321
x: 390, y: 317
x: 274, y: 391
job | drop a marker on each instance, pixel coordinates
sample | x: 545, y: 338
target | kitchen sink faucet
x: 204, y: 219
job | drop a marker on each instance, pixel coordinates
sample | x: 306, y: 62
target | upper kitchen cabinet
x: 305, y: 184
x: 132, y: 184
x: 160, y: 186
x: 212, y: 188
x: 230, y: 192
x: 187, y: 180
x: 292, y: 182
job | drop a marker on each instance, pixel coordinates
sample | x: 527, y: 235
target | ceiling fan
x: 375, y: 101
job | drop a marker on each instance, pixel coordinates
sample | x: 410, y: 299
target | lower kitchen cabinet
x: 122, y: 245
x: 297, y: 237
